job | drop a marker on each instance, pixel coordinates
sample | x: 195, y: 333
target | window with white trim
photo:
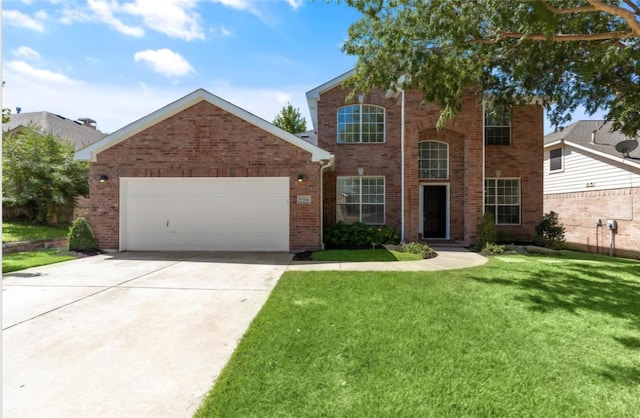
x: 497, y: 125
x: 360, y: 123
x: 555, y: 159
x: 433, y: 160
x: 502, y: 198
x: 360, y: 199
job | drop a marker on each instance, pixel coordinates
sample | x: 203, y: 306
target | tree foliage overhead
x: 40, y: 174
x: 566, y: 53
x: 290, y: 120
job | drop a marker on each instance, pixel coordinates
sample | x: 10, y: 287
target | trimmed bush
x: 487, y: 232
x: 492, y: 248
x: 81, y: 237
x: 550, y: 232
x: 419, y: 248
x: 357, y: 235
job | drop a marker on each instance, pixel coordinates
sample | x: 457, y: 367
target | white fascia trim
x: 90, y: 153
x: 554, y: 143
x: 313, y: 96
x: 621, y: 159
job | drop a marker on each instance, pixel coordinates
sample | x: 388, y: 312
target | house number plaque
x: 304, y: 200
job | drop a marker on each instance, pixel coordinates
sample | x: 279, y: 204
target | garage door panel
x: 206, y: 214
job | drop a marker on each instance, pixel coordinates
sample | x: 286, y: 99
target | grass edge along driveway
x: 519, y: 336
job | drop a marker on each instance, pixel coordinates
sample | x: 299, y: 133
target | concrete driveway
x: 127, y: 335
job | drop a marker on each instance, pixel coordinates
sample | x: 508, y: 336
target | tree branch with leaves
x: 565, y: 53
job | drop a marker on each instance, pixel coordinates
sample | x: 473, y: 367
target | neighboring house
x: 77, y: 133
x: 589, y: 182
x: 203, y: 174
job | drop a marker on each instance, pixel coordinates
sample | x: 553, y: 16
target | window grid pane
x: 497, y: 126
x: 433, y: 160
x: 360, y: 124
x: 360, y: 199
x: 502, y: 198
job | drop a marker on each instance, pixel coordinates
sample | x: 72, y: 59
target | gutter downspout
x: 322, y: 168
x: 484, y: 158
x: 402, y: 169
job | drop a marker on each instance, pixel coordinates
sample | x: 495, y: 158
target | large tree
x: 290, y: 120
x: 40, y: 174
x: 564, y: 53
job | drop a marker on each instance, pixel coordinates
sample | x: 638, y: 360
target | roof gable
x: 90, y: 153
x: 314, y: 95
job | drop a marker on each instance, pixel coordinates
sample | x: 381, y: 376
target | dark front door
x: 435, y: 212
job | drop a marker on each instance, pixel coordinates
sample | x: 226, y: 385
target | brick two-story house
x: 393, y: 167
x: 203, y: 174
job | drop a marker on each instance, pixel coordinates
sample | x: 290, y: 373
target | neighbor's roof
x: 579, y: 134
x: 309, y: 136
x: 71, y: 131
x: 90, y: 153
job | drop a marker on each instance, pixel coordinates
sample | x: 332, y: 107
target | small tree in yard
x: 40, y: 174
x: 550, y: 232
x: 81, y: 237
x: 487, y: 232
x: 290, y: 120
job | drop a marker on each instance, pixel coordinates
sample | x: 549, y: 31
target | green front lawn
x: 25, y: 231
x: 532, y: 336
x: 21, y: 261
x: 378, y: 254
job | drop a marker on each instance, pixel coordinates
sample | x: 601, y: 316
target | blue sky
x: 118, y: 60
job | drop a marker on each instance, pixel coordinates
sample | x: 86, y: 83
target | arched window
x: 360, y: 123
x: 433, y: 160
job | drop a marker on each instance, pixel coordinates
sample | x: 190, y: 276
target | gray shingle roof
x: 580, y: 133
x: 75, y: 133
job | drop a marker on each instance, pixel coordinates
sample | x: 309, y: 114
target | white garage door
x: 204, y: 214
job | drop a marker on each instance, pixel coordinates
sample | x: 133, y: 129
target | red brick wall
x: 578, y: 213
x: 205, y: 141
x: 523, y: 159
x: 464, y: 135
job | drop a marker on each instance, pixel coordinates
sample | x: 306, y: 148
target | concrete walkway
x: 448, y: 258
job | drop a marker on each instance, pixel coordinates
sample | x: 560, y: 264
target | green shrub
x: 342, y: 235
x: 487, y: 232
x: 492, y: 248
x: 550, y: 232
x: 419, y: 248
x: 81, y: 237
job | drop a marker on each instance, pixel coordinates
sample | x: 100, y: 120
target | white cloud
x: 224, y: 31
x: 104, y: 11
x: 70, y: 15
x: 21, y: 20
x: 26, y: 53
x: 38, y: 74
x: 174, y: 18
x: 164, y: 61
x: 41, y: 15
x: 295, y: 4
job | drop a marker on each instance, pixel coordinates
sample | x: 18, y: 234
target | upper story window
x: 555, y: 159
x: 360, y: 199
x: 497, y: 125
x: 433, y: 160
x: 360, y: 123
x: 502, y: 198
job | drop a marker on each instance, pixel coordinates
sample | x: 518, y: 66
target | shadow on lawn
x: 579, y: 285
